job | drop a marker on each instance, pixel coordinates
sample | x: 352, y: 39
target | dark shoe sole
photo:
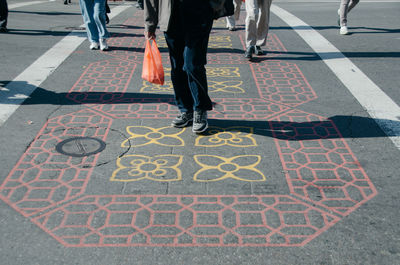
x: 182, y: 125
x: 201, y: 130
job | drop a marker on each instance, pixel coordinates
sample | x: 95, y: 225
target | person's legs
x: 3, y: 15
x: 99, y: 16
x: 352, y: 4
x: 87, y: 13
x: 231, y: 20
x: 344, y: 7
x: 263, y: 22
x: 251, y: 22
x: 183, y: 96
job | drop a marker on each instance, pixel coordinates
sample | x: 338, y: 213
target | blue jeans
x: 94, y: 16
x: 187, y: 39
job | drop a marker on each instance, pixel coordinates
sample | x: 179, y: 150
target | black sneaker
x: 200, y: 123
x: 182, y: 120
x: 259, y: 51
x: 3, y: 29
x: 249, y: 52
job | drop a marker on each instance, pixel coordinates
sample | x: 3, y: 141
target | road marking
x: 15, y: 92
x: 380, y: 107
x: 13, y: 6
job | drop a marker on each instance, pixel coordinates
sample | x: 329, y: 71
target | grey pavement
x: 292, y: 170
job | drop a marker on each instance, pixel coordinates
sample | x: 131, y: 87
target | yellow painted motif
x: 233, y: 136
x: 226, y: 86
x: 220, y: 42
x: 143, y: 135
x: 217, y: 168
x: 139, y: 167
x: 223, y: 72
x: 154, y: 88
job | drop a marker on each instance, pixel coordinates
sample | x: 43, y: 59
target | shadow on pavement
x: 348, y: 126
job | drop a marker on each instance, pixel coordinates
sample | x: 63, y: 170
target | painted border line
x: 15, y: 92
x: 16, y: 5
x: 379, y: 106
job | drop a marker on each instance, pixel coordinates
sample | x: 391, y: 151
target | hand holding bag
x: 152, y: 70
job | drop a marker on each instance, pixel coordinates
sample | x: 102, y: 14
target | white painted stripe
x: 15, y: 92
x: 16, y: 5
x: 379, y: 106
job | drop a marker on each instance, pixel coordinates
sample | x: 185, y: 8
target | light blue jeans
x: 94, y: 16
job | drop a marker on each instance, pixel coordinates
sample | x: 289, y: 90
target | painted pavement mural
x: 169, y: 187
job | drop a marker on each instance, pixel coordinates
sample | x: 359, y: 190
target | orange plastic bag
x: 152, y: 70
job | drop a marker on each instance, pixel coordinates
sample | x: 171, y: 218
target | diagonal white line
x: 16, y: 5
x: 379, y: 106
x: 15, y: 92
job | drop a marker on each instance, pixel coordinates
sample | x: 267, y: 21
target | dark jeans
x: 187, y: 40
x: 3, y: 13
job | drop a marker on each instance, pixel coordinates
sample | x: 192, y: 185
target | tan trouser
x: 345, y: 7
x: 257, y: 22
x: 231, y: 20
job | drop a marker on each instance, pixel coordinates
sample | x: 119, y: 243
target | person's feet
x: 258, y: 50
x: 232, y: 28
x: 200, y: 123
x: 103, y: 45
x: 3, y: 30
x: 249, y: 52
x: 94, y: 46
x: 344, y: 30
x: 182, y: 120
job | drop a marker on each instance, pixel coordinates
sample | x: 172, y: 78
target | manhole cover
x: 80, y: 146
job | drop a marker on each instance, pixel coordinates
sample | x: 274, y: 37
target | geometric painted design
x: 152, y: 220
x: 43, y: 178
x: 231, y: 86
x: 164, y: 108
x: 222, y: 72
x: 325, y: 180
x: 232, y: 136
x: 318, y: 163
x: 143, y: 135
x: 282, y: 82
x: 148, y: 87
x: 140, y: 167
x: 102, y: 82
x: 217, y: 168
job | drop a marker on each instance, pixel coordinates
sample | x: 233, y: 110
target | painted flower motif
x: 216, y: 168
x: 223, y: 72
x: 143, y: 135
x: 232, y: 136
x: 140, y: 167
x: 232, y: 86
x: 154, y: 88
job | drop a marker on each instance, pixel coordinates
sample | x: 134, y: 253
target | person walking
x: 94, y: 17
x: 186, y: 25
x: 3, y: 15
x: 231, y: 20
x: 345, y: 7
x: 257, y: 26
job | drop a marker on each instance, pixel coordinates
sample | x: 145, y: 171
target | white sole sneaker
x: 344, y: 30
x: 94, y: 46
x: 103, y: 45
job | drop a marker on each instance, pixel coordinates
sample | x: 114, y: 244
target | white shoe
x: 103, y: 45
x: 344, y: 30
x: 94, y: 46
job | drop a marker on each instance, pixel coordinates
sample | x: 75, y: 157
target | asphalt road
x: 300, y: 165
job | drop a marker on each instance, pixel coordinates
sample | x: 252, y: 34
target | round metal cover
x: 80, y: 146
